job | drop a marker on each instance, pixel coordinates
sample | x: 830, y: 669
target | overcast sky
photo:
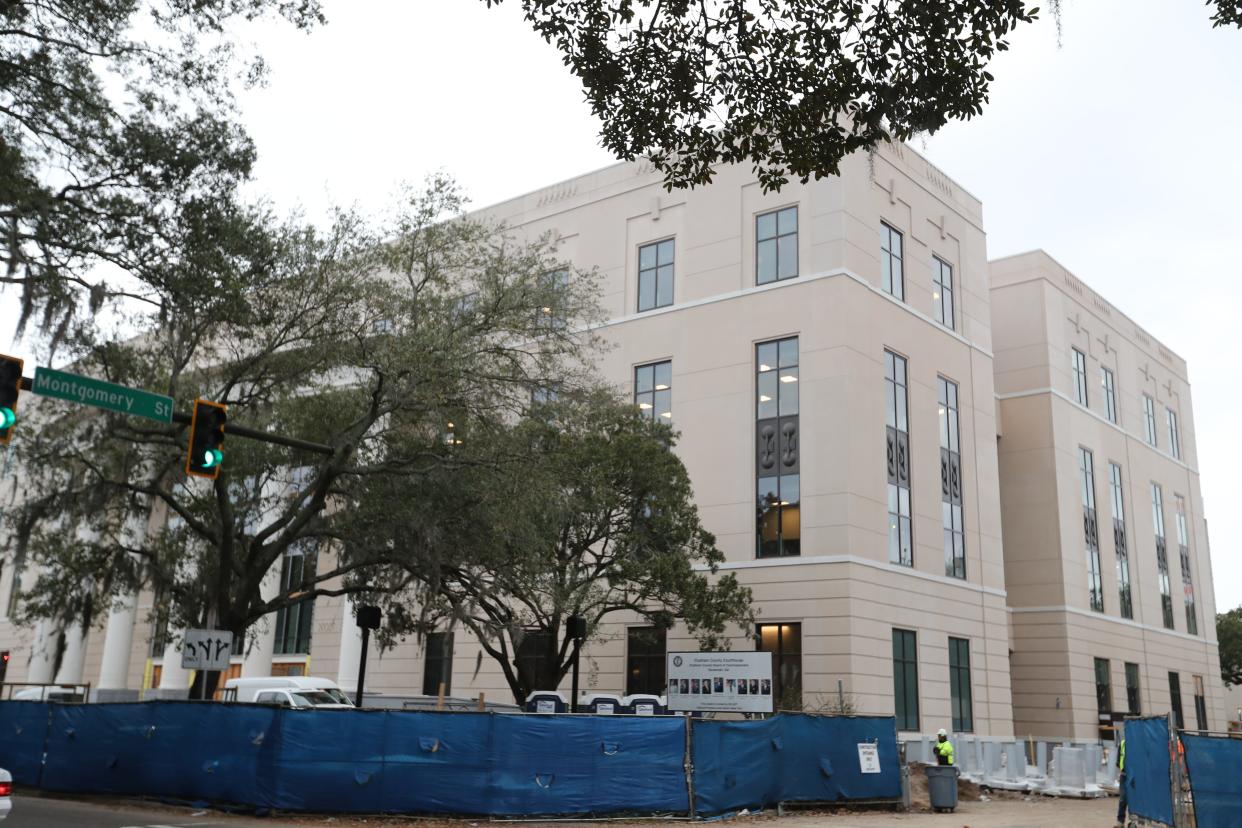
x: 1115, y: 152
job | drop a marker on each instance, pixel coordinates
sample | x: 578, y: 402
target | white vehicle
x: 6, y: 793
x: 48, y: 693
x: 289, y: 691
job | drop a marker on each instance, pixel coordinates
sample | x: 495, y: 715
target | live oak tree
x: 117, y: 127
x: 594, y: 516
x: 373, y: 342
x: 1229, y: 635
x: 790, y: 87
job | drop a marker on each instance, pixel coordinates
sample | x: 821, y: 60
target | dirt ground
x: 990, y: 811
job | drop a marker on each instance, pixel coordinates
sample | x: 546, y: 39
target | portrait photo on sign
x: 741, y: 687
x: 672, y: 686
x: 694, y: 687
x: 765, y: 686
x: 754, y: 687
x: 685, y: 686
x: 732, y: 685
x: 707, y: 687
x: 718, y: 684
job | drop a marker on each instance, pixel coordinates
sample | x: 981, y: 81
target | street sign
x: 726, y: 682
x: 206, y: 650
x: 868, y: 757
x: 100, y: 394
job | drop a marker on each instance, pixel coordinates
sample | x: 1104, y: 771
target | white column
x: 118, y: 644
x: 42, y: 653
x: 172, y: 675
x: 351, y: 647
x: 74, y: 657
x: 258, y: 661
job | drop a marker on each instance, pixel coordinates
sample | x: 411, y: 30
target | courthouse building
x: 888, y: 437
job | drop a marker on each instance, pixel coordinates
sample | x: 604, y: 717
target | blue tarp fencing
x: 1148, y: 782
x: 393, y: 761
x: 750, y: 764
x: 1213, y: 763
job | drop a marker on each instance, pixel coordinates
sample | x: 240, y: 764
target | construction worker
x: 1121, y: 783
x: 944, y: 748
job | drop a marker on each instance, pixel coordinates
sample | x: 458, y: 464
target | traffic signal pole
x: 185, y: 418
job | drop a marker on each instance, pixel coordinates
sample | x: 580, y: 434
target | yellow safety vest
x: 945, y: 749
x: 1121, y: 756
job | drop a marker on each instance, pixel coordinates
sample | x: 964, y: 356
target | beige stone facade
x: 1055, y: 340
x: 928, y: 580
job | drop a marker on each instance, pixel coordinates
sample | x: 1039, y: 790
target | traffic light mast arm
x: 238, y: 430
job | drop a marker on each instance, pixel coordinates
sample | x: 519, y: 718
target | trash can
x: 605, y: 703
x: 942, y: 787
x: 546, y: 701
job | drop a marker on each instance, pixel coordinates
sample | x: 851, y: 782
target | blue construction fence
x: 1213, y: 764
x: 394, y: 761
x: 1149, y: 784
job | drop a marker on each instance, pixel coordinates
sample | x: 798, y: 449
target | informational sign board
x: 721, y: 682
x: 100, y: 394
x: 545, y: 706
x: 868, y: 757
x: 206, y: 650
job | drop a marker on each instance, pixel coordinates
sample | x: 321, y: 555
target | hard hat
x: 942, y: 732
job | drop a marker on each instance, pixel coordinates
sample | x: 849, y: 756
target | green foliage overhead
x: 117, y: 128
x: 1229, y: 637
x: 790, y: 87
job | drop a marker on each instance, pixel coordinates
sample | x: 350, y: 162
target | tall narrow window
x: 1086, y: 469
x: 1149, y: 420
x: 942, y: 292
x: 776, y: 245
x: 438, y: 663
x: 534, y: 662
x: 1175, y: 701
x: 1175, y: 440
x: 1078, y: 362
x: 644, y: 660
x: 776, y: 463
x: 1133, y: 704
x: 655, y: 275
x: 784, y: 641
x: 1103, y: 686
x: 653, y: 391
x: 1103, y: 694
x: 1162, y: 554
x: 1110, y: 393
x: 1183, y: 549
x: 906, y: 679
x: 1201, y: 720
x: 951, y: 480
x: 550, y: 310
x: 293, y: 623
x: 892, y: 275
x: 1124, y: 598
x: 959, y: 685
x: 900, y: 543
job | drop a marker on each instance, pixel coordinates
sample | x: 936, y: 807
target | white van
x: 289, y: 691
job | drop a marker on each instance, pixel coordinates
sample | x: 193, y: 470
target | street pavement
x: 43, y: 812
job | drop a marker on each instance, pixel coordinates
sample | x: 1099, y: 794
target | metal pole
x: 840, y: 697
x: 573, y: 706
x: 362, y: 666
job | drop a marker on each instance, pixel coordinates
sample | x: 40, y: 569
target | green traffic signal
x: 7, y: 417
x: 212, y: 458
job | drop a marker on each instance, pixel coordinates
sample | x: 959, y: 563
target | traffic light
x: 206, y: 438
x: 10, y: 387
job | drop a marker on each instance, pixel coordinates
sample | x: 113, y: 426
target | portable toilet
x: 606, y: 703
x: 546, y: 701
x: 645, y: 704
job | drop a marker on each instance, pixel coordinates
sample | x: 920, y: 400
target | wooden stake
x: 440, y: 703
x: 482, y: 706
